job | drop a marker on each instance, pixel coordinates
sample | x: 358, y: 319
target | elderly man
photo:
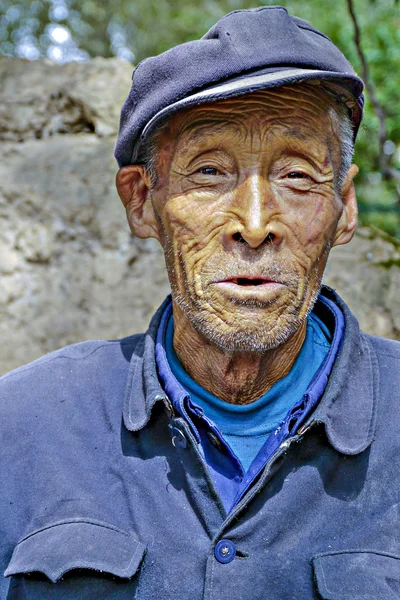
x: 246, y: 446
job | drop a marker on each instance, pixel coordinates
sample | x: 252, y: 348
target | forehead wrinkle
x: 279, y: 111
x: 208, y: 128
x: 308, y: 93
x: 307, y: 111
x: 308, y: 98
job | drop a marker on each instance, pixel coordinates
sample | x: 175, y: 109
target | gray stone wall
x: 69, y: 268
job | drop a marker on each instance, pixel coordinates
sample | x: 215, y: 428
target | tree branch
x: 388, y: 171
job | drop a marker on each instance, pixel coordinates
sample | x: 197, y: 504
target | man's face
x: 246, y: 211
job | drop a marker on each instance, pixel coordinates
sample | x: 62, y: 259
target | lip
x: 263, y: 289
x: 248, y: 280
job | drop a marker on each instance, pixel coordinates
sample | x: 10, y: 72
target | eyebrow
x: 296, y: 133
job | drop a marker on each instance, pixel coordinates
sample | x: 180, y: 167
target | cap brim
x: 350, y: 85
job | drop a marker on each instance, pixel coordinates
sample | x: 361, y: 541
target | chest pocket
x: 357, y: 575
x: 75, y: 559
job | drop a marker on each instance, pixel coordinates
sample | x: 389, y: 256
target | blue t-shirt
x: 246, y: 427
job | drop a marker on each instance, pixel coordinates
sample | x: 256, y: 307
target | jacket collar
x: 143, y: 387
x: 347, y: 407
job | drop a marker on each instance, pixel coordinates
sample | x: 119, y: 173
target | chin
x: 242, y: 333
x: 239, y: 341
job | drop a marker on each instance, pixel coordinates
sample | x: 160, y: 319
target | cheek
x: 314, y: 225
x: 193, y: 230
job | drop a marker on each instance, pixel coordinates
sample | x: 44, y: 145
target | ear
x: 133, y: 186
x: 348, y: 220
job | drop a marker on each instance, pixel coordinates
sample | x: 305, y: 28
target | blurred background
x: 69, y: 268
x: 75, y: 30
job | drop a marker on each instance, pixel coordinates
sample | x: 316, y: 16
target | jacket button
x: 225, y: 551
x: 178, y: 439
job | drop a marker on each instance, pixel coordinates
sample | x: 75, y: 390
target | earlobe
x: 133, y: 186
x: 348, y: 220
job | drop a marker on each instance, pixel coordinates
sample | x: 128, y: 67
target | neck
x: 236, y: 377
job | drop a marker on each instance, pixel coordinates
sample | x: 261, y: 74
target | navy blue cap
x: 247, y: 50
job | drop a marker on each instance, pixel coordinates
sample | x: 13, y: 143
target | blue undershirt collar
x: 246, y: 427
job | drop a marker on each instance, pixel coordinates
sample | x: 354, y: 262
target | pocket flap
x: 60, y: 548
x: 357, y: 575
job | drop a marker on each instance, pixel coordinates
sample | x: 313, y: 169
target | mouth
x: 246, y: 281
x: 250, y: 290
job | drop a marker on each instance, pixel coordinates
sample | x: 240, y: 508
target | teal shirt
x: 247, y: 427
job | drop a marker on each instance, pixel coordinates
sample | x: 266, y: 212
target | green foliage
x: 138, y: 28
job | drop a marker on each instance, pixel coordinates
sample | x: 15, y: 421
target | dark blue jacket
x: 97, y: 503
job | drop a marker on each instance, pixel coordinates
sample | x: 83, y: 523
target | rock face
x: 69, y: 268
x: 366, y: 273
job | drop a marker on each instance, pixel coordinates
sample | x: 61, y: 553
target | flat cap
x: 245, y: 51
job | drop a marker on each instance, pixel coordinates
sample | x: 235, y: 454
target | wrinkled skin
x: 246, y: 210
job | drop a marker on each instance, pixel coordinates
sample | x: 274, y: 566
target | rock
x: 69, y: 268
x: 8, y: 259
x: 36, y: 243
x: 366, y: 273
x: 40, y: 98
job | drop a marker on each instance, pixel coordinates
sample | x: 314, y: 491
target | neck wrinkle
x: 238, y: 378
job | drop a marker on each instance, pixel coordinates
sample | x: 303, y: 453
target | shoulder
x: 385, y: 362
x: 384, y: 347
x: 88, y: 355
x: 78, y: 371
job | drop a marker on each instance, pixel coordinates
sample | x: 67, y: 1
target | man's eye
x: 208, y: 171
x: 298, y: 175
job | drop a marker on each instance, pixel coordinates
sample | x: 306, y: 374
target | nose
x: 254, y: 215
